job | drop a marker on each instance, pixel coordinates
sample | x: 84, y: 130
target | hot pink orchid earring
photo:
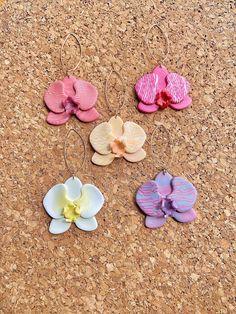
x: 71, y: 96
x: 73, y: 202
x: 160, y: 88
x: 166, y: 196
x: 117, y: 139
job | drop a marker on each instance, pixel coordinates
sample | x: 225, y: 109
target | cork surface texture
x: 122, y: 267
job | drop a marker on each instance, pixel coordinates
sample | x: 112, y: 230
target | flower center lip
x: 71, y: 212
x: 118, y: 147
x: 166, y: 207
x: 163, y: 99
x: 70, y: 105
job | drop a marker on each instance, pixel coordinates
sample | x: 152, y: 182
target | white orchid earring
x: 72, y: 202
x: 116, y: 139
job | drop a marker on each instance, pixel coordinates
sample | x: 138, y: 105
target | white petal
x: 58, y: 226
x: 88, y: 224
x: 91, y: 201
x: 103, y: 160
x: 74, y: 186
x: 55, y: 200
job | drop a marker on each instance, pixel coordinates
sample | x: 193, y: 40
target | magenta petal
x: 177, y: 86
x: 154, y: 222
x: 148, y: 198
x: 162, y: 73
x: 183, y: 104
x: 68, y: 82
x: 187, y: 216
x: 146, y: 88
x: 86, y: 94
x: 54, y: 96
x: 147, y: 108
x: 184, y: 194
x: 163, y: 180
x: 57, y: 118
x: 88, y: 115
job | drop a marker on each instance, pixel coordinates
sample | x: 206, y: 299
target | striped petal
x: 162, y: 73
x: 146, y: 88
x: 54, y: 96
x: 187, y: 216
x: 184, y: 194
x: 148, y: 198
x: 163, y: 181
x: 154, y: 222
x: 177, y: 86
x: 86, y: 94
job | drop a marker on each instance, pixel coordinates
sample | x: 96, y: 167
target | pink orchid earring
x: 167, y: 196
x: 72, y: 202
x: 71, y: 96
x: 160, y: 88
x: 116, y: 139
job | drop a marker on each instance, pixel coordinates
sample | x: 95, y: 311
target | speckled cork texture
x: 122, y: 267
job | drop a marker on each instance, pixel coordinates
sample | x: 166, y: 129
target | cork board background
x: 122, y: 267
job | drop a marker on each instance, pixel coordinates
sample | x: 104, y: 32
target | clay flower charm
x: 73, y: 202
x: 116, y: 139
x: 71, y: 96
x: 167, y: 196
x: 161, y: 89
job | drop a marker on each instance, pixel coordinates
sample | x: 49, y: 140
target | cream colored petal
x: 137, y: 156
x: 134, y: 136
x: 101, y: 137
x: 117, y: 126
x: 102, y: 160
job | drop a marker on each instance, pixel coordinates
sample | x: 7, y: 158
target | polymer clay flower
x: 71, y: 96
x: 167, y: 196
x: 116, y: 139
x: 161, y: 89
x: 73, y: 202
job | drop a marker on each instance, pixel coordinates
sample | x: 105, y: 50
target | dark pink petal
x: 186, y: 102
x: 88, y: 115
x: 177, y: 86
x: 58, y: 118
x: 187, y: 216
x: 147, y: 108
x: 54, y: 96
x: 163, y: 181
x: 86, y: 94
x: 162, y: 73
x: 154, y: 222
x: 68, y: 82
x: 146, y: 88
x: 148, y: 198
x: 184, y: 194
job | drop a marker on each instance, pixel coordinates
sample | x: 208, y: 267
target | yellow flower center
x: 118, y: 147
x: 71, y: 212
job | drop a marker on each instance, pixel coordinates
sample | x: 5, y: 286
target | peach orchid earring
x: 115, y: 138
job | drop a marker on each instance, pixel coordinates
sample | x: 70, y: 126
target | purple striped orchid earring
x: 161, y: 88
x: 166, y: 196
